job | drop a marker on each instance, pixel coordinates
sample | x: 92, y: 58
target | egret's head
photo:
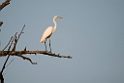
x: 58, y: 17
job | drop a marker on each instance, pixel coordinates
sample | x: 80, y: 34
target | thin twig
x: 26, y: 58
x: 21, y: 33
x: 8, y: 43
x: 14, y: 41
x: 9, y: 62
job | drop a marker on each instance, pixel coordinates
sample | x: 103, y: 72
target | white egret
x: 48, y: 32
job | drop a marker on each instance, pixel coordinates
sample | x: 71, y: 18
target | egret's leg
x: 45, y: 46
x: 50, y: 45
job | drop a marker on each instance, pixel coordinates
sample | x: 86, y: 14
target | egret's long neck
x: 55, y: 25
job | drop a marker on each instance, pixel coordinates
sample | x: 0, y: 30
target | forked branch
x: 9, y: 45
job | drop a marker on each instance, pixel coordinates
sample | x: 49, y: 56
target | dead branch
x: 21, y: 32
x: 15, y: 40
x: 1, y: 22
x: 20, y: 53
x: 26, y: 58
x: 8, y: 43
x: 5, y: 3
x: 4, y: 65
x: 12, y: 39
x: 1, y: 78
x: 24, y: 52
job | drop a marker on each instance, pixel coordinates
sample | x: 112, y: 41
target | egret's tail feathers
x: 42, y: 40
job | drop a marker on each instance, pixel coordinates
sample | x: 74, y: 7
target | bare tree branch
x: 24, y: 52
x: 26, y: 58
x: 8, y: 53
x: 19, y: 53
x: 21, y: 32
x: 1, y: 77
x: 8, y: 43
x: 5, y: 3
x: 16, y: 39
x: 13, y: 39
x: 1, y: 22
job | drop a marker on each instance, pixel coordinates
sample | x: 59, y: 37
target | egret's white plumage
x: 49, y: 31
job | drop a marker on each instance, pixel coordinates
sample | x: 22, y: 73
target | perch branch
x: 24, y: 52
x: 19, y: 53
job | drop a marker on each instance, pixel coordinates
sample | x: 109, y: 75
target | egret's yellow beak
x: 60, y: 17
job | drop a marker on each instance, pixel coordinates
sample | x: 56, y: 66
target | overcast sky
x: 91, y: 31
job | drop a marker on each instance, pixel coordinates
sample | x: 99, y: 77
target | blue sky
x: 91, y: 31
